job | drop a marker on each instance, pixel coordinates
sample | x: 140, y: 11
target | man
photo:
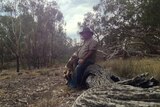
x: 86, y: 55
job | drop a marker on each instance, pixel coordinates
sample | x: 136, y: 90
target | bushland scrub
x: 134, y: 66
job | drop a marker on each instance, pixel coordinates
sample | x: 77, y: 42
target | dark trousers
x: 76, y: 79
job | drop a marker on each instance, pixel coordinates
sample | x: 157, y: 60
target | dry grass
x: 7, y: 74
x: 47, y: 103
x: 43, y: 87
x: 2, y: 92
x: 61, y: 97
x: 131, y: 67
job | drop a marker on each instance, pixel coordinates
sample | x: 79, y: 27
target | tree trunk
x: 2, y: 62
x: 104, y: 92
x: 18, y: 64
x: 2, y: 57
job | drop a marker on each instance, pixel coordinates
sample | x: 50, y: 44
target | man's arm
x: 81, y: 61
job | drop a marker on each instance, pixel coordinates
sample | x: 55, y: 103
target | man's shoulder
x: 93, y: 41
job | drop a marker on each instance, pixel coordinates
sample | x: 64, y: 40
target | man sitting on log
x: 81, y: 59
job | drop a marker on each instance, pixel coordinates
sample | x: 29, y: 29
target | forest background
x: 33, y: 36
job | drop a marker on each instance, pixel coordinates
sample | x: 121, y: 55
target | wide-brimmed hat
x: 86, y: 30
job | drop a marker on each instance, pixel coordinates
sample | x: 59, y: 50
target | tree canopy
x: 131, y: 26
x: 32, y: 32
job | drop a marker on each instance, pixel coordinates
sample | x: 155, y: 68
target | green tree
x: 125, y: 26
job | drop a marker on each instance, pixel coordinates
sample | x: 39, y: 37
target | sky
x: 73, y: 11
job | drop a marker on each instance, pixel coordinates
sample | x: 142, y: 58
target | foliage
x: 128, y: 25
x: 31, y: 32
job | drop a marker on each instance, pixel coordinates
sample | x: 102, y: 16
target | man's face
x: 85, y: 36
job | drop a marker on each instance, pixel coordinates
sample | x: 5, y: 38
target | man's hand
x: 81, y: 61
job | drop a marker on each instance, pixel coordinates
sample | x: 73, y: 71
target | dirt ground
x: 36, y: 88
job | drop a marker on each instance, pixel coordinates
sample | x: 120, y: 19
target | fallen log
x: 109, y: 90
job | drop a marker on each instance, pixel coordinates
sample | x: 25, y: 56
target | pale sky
x: 73, y: 11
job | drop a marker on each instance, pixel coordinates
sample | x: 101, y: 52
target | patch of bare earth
x: 38, y: 88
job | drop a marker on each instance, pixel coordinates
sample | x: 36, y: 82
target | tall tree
x: 33, y: 31
x: 124, y: 25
